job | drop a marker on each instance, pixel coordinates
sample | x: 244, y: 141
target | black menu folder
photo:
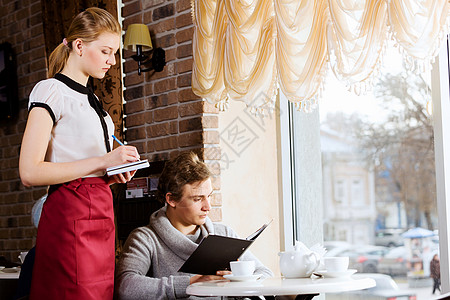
x: 215, y: 252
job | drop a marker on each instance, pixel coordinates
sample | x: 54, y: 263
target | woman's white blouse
x: 77, y: 132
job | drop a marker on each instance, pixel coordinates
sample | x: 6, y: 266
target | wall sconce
x: 137, y: 38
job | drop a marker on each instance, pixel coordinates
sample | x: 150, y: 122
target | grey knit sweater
x: 148, y: 267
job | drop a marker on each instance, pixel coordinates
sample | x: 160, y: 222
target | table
x: 306, y: 288
x: 8, y: 284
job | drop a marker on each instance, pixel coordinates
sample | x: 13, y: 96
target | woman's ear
x: 77, y: 46
x: 170, y: 201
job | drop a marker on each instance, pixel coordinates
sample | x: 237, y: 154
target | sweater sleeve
x: 133, y: 266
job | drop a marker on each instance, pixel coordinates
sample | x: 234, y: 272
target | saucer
x: 11, y: 270
x: 242, y: 278
x: 328, y: 274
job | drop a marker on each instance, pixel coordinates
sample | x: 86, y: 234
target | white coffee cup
x: 336, y: 263
x: 22, y: 256
x: 242, y: 267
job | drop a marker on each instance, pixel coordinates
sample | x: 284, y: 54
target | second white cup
x: 336, y: 263
x: 242, y: 267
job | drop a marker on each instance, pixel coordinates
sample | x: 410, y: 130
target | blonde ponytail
x: 58, y: 59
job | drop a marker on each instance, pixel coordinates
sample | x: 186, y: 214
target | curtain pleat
x: 246, y: 50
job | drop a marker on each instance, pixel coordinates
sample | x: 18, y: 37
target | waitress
x: 66, y: 145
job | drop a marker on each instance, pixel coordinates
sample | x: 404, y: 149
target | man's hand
x: 218, y: 276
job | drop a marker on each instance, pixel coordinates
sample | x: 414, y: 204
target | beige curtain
x: 245, y: 50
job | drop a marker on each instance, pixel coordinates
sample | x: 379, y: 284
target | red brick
x: 164, y: 25
x: 157, y: 130
x: 134, y: 106
x: 215, y: 214
x: 151, y: 3
x: 184, y: 50
x: 165, y: 85
x: 214, y: 167
x: 163, y: 114
x: 132, y: 20
x: 190, y: 139
x: 165, y: 143
x: 212, y: 153
x: 183, y: 5
x: 184, y: 80
x: 133, y: 78
x: 190, y: 109
x: 140, y: 146
x: 187, y: 95
x: 184, y: 66
x: 173, y: 127
x: 137, y: 133
x: 211, y: 137
x: 163, y: 12
x: 133, y: 93
x: 148, y: 117
x: 209, y: 108
x: 215, y: 182
x: 184, y: 20
x: 184, y: 35
x: 210, y: 121
x: 165, y: 41
x: 216, y: 199
x: 135, y: 120
x: 192, y: 124
x: 148, y: 89
x: 159, y: 156
x: 131, y: 8
x: 171, y: 54
x: 147, y: 19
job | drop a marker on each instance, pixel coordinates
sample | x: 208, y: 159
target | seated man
x: 148, y: 267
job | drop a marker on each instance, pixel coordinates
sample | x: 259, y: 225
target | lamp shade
x: 137, y: 34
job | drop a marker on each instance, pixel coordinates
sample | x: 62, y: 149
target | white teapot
x: 298, y: 263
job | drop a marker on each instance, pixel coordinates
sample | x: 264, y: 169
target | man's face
x: 194, y: 205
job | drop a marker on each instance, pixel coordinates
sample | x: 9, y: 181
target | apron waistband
x: 79, y: 181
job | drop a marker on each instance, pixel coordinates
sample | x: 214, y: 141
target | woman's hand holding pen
x: 121, y: 155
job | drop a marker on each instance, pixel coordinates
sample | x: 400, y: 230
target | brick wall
x: 21, y: 26
x: 164, y: 116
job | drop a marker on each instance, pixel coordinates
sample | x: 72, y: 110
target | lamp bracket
x: 156, y: 62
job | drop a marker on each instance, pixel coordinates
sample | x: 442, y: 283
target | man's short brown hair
x: 184, y: 169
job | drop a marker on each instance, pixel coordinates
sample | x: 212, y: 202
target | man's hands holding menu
x: 218, y: 276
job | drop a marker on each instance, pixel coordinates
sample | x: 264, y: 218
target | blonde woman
x: 66, y: 145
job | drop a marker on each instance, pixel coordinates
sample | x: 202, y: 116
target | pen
x: 117, y: 140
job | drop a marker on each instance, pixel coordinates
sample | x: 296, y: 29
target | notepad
x: 136, y: 165
x: 215, y: 252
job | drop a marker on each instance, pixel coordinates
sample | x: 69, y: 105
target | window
x: 371, y: 196
x: 339, y: 192
x: 357, y: 194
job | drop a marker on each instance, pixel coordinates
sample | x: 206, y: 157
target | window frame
x: 441, y: 116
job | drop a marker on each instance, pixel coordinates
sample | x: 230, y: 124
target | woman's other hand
x: 121, y: 178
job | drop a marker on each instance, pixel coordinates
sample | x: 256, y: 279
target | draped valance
x: 246, y: 49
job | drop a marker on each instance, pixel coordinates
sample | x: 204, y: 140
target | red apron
x: 75, y: 243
